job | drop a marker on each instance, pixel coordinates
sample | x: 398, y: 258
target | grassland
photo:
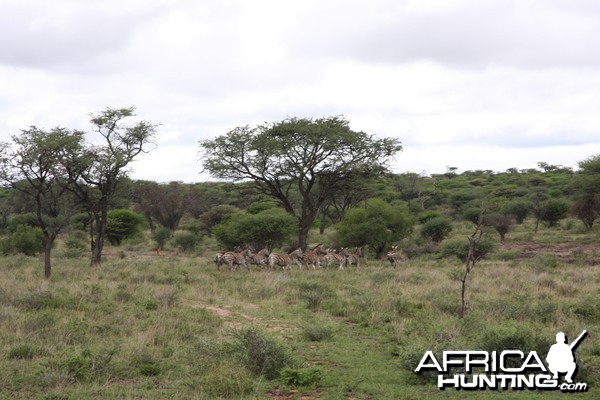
x: 173, y: 327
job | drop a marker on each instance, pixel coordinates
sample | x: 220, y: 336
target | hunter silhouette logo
x: 560, y: 358
x: 507, y: 369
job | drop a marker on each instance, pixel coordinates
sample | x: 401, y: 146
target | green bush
x: 375, y: 223
x: 261, y: 354
x: 123, y: 224
x: 436, y: 228
x: 75, y: 243
x: 273, y: 227
x: 317, y: 332
x: 460, y: 248
x: 310, y: 376
x: 554, y: 211
x: 186, y: 241
x: 27, y: 240
x: 518, y: 208
x: 17, y: 220
x: 161, y: 236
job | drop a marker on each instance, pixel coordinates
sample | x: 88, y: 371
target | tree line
x: 277, y: 182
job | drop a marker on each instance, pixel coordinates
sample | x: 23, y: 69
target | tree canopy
x: 300, y: 162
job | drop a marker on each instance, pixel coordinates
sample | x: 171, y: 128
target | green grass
x: 175, y: 327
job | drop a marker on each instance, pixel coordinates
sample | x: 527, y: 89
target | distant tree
x: 215, y: 216
x: 100, y: 168
x: 375, y: 223
x: 554, y: 211
x: 502, y: 223
x: 162, y: 203
x: 538, y: 202
x: 585, y: 186
x: 33, y: 165
x: 304, y: 158
x: 518, y: 208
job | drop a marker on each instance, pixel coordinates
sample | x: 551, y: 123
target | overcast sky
x: 472, y: 84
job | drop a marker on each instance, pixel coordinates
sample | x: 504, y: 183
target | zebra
x: 286, y: 260
x: 233, y: 259
x: 393, y: 256
x: 260, y: 258
x: 352, y: 258
x: 219, y: 260
x: 312, y: 257
x: 332, y: 258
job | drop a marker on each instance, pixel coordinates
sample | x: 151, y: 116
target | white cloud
x: 459, y: 82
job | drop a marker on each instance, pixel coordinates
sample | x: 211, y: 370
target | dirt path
x: 587, y: 253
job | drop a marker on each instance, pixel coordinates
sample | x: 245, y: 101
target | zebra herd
x: 318, y: 257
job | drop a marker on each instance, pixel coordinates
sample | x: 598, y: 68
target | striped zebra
x: 352, y: 258
x: 260, y: 258
x: 393, y: 256
x: 332, y: 258
x: 233, y: 259
x: 219, y: 259
x: 286, y: 260
x: 312, y: 257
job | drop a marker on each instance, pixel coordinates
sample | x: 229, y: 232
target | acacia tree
x: 100, y: 168
x: 34, y: 166
x: 307, y: 159
x: 586, y: 188
x: 165, y: 204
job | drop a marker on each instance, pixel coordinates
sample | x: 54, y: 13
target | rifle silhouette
x: 577, y: 340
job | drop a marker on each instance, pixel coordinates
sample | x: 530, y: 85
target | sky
x: 468, y: 84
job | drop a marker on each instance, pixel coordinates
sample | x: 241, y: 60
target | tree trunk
x: 100, y: 233
x: 47, y: 253
x: 303, y: 234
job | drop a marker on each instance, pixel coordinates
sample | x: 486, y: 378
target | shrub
x: 554, y: 211
x: 272, y: 227
x: 28, y: 219
x: 316, y: 332
x: 27, y: 240
x: 310, y: 376
x: 186, y: 241
x: 436, y: 228
x: 75, y: 243
x: 518, y: 208
x: 375, y: 223
x: 161, y: 236
x: 123, y: 224
x: 460, y: 248
x: 261, y: 354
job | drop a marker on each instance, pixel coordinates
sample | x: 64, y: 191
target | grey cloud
x: 476, y: 34
x: 47, y: 34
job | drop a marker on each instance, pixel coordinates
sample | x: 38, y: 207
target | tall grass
x: 175, y: 327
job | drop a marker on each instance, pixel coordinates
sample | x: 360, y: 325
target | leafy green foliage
x: 123, y: 224
x: 272, y: 227
x: 375, y: 223
x: 261, y: 354
x: 186, y: 241
x: 437, y: 228
x: 161, y: 236
x: 554, y: 211
x: 460, y: 248
x: 27, y: 240
x: 310, y: 376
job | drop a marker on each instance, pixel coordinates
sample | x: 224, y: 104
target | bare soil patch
x: 569, y: 252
